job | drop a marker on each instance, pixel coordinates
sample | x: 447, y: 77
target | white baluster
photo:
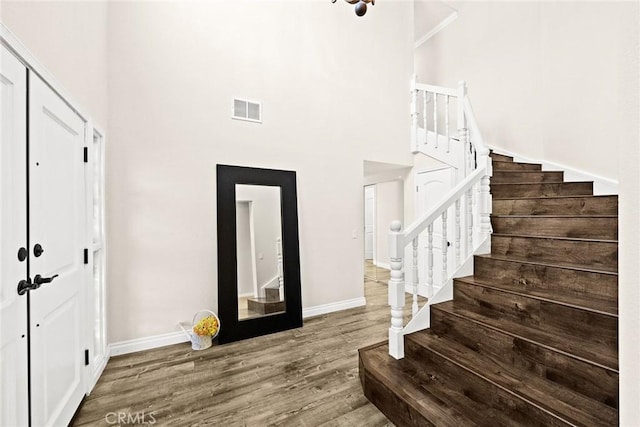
x: 396, y: 292
x: 430, y: 260
x: 414, y: 307
x: 446, y: 122
x: 435, y: 116
x: 445, y: 248
x: 414, y: 117
x: 457, y: 233
x: 280, y: 268
x: 425, y: 98
x: 469, y: 206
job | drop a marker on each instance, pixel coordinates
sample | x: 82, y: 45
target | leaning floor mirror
x: 258, y: 252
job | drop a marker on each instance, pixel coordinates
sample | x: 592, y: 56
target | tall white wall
x: 389, y: 207
x: 334, y: 89
x: 70, y: 39
x: 546, y: 78
x: 267, y: 225
x: 559, y: 81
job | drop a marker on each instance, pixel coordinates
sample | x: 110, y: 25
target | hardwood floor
x: 302, y: 377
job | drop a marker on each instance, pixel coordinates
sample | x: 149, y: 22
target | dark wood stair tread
x: 429, y: 403
x: 566, y: 344
x: 571, y: 407
x: 572, y: 226
x: 576, y: 239
x: 501, y: 162
x: 604, y: 307
x: 555, y: 264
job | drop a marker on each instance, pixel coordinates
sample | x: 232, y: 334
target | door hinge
x: 86, y: 357
x: 86, y: 256
x: 86, y: 154
x: 417, y: 188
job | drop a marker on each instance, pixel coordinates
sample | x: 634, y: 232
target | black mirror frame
x: 232, y: 329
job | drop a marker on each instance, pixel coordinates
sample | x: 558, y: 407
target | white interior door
x: 13, y: 236
x: 433, y: 186
x: 369, y: 221
x: 57, y: 221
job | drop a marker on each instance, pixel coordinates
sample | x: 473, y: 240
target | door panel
x: 58, y: 224
x: 433, y: 186
x: 13, y: 235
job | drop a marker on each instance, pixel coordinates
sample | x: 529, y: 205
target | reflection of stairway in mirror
x: 271, y: 303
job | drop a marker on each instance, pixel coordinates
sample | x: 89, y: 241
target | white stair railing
x: 469, y: 204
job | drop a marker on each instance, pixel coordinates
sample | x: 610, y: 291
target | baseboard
x: 601, y: 185
x: 384, y: 265
x: 147, y: 343
x: 335, y: 306
x: 99, y: 369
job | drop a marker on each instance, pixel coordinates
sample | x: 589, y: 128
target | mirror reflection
x: 259, y: 246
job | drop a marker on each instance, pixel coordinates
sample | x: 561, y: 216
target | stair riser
x: 596, y: 328
x: 579, y: 227
x: 599, y: 205
x: 539, y: 277
x: 501, y: 157
x: 588, y: 253
x: 541, y: 189
x: 510, y: 166
x: 590, y: 380
x: 502, y: 177
x: 390, y: 404
x: 478, y: 389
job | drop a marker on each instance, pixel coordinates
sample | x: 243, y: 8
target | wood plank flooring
x: 302, y: 377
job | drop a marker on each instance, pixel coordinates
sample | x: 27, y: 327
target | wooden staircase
x: 531, y: 338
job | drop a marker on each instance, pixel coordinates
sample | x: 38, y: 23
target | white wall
x: 70, y: 39
x: 333, y: 86
x: 558, y: 81
x: 389, y: 207
x: 545, y: 78
x: 267, y: 224
x: 243, y: 240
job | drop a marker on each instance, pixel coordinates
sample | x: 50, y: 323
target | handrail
x: 481, y: 149
x: 421, y: 224
x: 470, y: 196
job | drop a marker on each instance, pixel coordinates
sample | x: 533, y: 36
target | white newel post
x: 396, y: 291
x: 414, y: 306
x: 485, y: 207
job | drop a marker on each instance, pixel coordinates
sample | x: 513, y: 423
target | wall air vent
x: 250, y: 111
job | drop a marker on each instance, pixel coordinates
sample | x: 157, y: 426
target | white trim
x: 441, y: 26
x: 99, y: 369
x: 601, y: 185
x: 335, y: 306
x: 8, y: 39
x: 384, y: 265
x: 147, y: 343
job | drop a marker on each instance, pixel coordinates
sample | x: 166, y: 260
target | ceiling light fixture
x: 361, y: 5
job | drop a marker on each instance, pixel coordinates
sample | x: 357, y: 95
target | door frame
x: 20, y: 51
x: 374, y: 218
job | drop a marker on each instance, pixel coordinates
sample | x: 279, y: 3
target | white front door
x: 13, y: 236
x: 433, y: 186
x: 57, y: 222
x: 369, y: 221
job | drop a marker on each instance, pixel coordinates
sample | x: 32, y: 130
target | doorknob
x: 39, y: 280
x: 23, y: 286
x: 37, y: 250
x: 27, y: 285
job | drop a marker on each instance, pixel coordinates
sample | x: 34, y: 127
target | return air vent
x: 247, y: 110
